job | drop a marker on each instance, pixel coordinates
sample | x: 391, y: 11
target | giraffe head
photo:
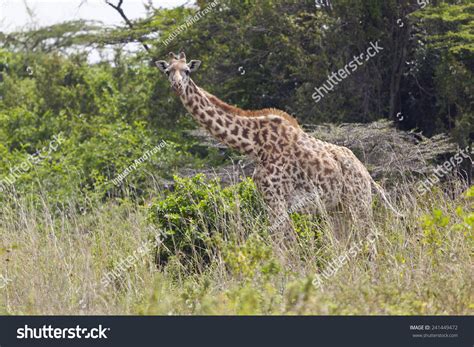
x: 178, y: 71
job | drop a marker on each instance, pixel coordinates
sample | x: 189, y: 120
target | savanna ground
x: 56, y: 261
x: 167, y: 240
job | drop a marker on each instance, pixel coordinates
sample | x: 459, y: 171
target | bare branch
x: 119, y: 9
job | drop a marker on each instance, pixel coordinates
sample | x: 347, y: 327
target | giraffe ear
x: 194, y: 65
x: 162, y: 65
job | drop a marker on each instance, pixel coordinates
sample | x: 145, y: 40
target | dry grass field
x: 56, y: 262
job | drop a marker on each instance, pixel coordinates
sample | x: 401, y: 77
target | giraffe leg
x: 281, y: 229
x: 280, y: 222
x: 277, y: 205
x: 358, y: 207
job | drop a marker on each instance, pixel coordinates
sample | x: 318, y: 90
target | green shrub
x: 199, y: 214
x: 254, y: 258
x: 439, y: 225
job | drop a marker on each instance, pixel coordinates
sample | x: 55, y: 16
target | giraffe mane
x: 251, y: 113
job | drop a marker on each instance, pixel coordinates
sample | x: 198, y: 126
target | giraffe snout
x: 177, y: 87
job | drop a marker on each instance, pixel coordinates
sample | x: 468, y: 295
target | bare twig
x: 119, y: 9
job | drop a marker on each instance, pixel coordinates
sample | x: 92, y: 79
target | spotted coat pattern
x: 290, y: 164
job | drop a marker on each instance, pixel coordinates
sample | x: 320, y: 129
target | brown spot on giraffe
x: 245, y: 133
x: 327, y: 171
x: 256, y: 139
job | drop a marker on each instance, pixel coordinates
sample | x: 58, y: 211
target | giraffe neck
x: 231, y: 129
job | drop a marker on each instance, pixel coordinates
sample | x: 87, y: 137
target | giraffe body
x: 302, y: 166
x: 290, y: 164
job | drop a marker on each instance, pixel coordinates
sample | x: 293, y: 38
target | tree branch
x: 119, y: 9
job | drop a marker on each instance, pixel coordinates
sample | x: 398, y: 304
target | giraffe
x: 291, y: 165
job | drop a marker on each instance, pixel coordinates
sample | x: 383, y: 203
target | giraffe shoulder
x: 276, y: 113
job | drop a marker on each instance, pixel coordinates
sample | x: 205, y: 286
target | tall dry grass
x: 55, y: 260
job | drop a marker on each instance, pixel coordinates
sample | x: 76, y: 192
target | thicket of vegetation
x: 64, y: 224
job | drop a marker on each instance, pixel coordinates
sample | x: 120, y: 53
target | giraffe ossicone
x: 290, y: 164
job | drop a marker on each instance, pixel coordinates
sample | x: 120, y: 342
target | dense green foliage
x: 110, y: 113
x: 199, y: 211
x: 104, y: 122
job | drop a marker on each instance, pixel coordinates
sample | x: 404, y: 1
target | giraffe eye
x: 167, y: 72
x: 186, y: 72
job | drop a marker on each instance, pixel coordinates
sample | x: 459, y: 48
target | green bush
x: 105, y: 121
x: 199, y: 213
x: 438, y: 226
